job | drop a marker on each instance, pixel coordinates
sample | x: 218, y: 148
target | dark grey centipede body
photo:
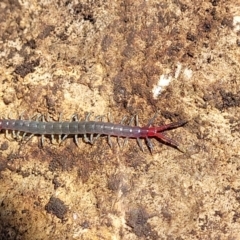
x: 72, y: 128
x: 92, y: 128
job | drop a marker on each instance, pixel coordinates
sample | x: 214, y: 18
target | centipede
x: 91, y: 130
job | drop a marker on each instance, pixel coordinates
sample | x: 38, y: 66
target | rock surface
x: 124, y: 57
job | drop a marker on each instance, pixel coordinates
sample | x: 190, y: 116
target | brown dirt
x: 109, y: 56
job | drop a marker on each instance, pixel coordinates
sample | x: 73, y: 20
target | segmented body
x: 91, y: 130
x: 73, y: 128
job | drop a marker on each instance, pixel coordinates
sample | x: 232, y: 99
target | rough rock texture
x: 124, y: 57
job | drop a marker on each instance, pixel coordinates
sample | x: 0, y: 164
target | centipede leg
x: 18, y: 135
x: 151, y: 121
x: 132, y: 120
x: 76, y: 140
x: 138, y: 139
x: 28, y: 138
x: 48, y: 118
x: 109, y: 136
x: 59, y: 138
x: 110, y: 141
x: 52, y: 138
x: 119, y: 143
x: 14, y: 134
x: 125, y: 141
x: 140, y: 144
x: 60, y: 117
x: 9, y: 116
x: 100, y: 117
x: 88, y: 116
x: 86, y: 139
x: 23, y: 136
x: 109, y: 116
x: 118, y: 138
x: 136, y: 119
x: 63, y: 138
x: 42, y: 118
x: 7, y: 135
x: 95, y: 139
x: 75, y: 117
x: 91, y: 138
x: 21, y: 116
x: 150, y: 144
